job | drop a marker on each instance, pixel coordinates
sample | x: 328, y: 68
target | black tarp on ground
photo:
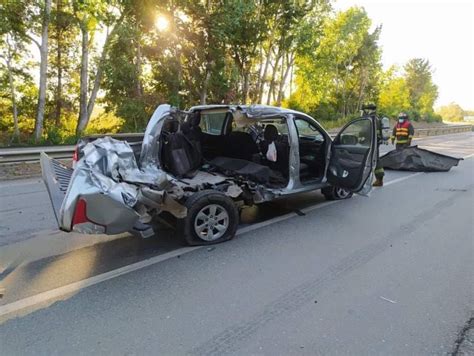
x: 417, y: 159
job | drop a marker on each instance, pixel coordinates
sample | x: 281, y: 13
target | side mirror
x: 349, y: 140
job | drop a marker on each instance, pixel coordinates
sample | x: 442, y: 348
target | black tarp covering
x: 417, y: 159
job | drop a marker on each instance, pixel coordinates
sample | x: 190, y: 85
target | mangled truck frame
x: 199, y: 167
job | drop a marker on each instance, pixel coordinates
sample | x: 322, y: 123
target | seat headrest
x: 170, y: 126
x: 185, y: 128
x: 195, y: 119
x: 270, y: 133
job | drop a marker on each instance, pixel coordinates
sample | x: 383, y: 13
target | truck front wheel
x: 212, y: 218
x: 336, y: 193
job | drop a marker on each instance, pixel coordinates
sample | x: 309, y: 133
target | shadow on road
x: 26, y: 278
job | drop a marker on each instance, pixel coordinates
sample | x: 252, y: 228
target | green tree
x: 394, y: 94
x: 423, y: 92
x: 15, y: 37
x: 43, y: 48
x: 92, y: 16
x: 123, y: 70
x: 451, y: 112
x: 63, y: 54
x: 342, y: 70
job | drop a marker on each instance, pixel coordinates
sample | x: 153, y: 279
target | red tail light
x: 75, y: 155
x: 81, y: 223
x: 80, y: 215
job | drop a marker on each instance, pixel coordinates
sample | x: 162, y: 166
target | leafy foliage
x: 452, y: 112
x: 347, y: 70
x: 300, y: 54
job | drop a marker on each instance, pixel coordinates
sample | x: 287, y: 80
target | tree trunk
x: 246, y: 86
x: 259, y: 73
x: 43, y: 71
x: 203, y: 92
x: 86, y: 107
x: 264, y: 75
x: 59, y: 87
x: 16, y: 131
x: 272, y: 82
x: 59, y: 91
x: 284, y: 77
x: 361, y: 89
x: 138, y: 64
x: 83, y: 115
x: 291, y: 79
x: 95, y: 88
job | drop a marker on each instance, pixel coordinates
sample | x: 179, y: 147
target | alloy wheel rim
x: 211, y: 222
x: 342, y: 193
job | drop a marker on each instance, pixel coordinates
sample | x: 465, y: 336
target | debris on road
x: 464, y: 344
x: 388, y: 300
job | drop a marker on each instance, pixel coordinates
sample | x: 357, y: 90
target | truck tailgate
x: 56, y: 177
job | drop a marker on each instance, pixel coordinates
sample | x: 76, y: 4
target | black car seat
x: 240, y: 145
x: 193, y: 132
x: 181, y: 151
x: 270, y: 134
x: 194, y: 122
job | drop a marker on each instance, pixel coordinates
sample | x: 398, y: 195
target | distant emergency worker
x: 403, y: 132
x: 383, y: 133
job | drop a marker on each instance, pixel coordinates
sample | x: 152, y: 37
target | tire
x: 212, y: 218
x: 336, y: 193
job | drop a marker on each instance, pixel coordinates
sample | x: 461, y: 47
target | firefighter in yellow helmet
x: 403, y: 132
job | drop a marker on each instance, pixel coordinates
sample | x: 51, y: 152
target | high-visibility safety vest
x: 403, y: 132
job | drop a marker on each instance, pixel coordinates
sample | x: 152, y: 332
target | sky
x: 441, y: 31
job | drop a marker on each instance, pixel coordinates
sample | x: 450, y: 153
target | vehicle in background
x: 199, y: 168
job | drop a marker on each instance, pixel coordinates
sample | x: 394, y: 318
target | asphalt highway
x: 388, y: 274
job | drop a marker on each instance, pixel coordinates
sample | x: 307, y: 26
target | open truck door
x: 353, y: 155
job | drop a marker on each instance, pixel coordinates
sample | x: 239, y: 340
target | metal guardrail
x: 435, y: 131
x: 31, y: 154
x: 444, y: 130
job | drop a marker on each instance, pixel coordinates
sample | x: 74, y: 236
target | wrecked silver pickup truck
x: 199, y: 168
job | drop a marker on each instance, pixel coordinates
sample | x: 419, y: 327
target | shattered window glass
x: 212, y: 123
x: 306, y: 130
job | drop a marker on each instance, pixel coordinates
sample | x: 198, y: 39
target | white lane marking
x: 401, y: 179
x: 88, y: 282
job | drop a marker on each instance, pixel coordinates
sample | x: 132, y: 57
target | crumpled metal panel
x: 149, y: 157
x: 88, y: 182
x: 109, y: 168
x: 116, y: 160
